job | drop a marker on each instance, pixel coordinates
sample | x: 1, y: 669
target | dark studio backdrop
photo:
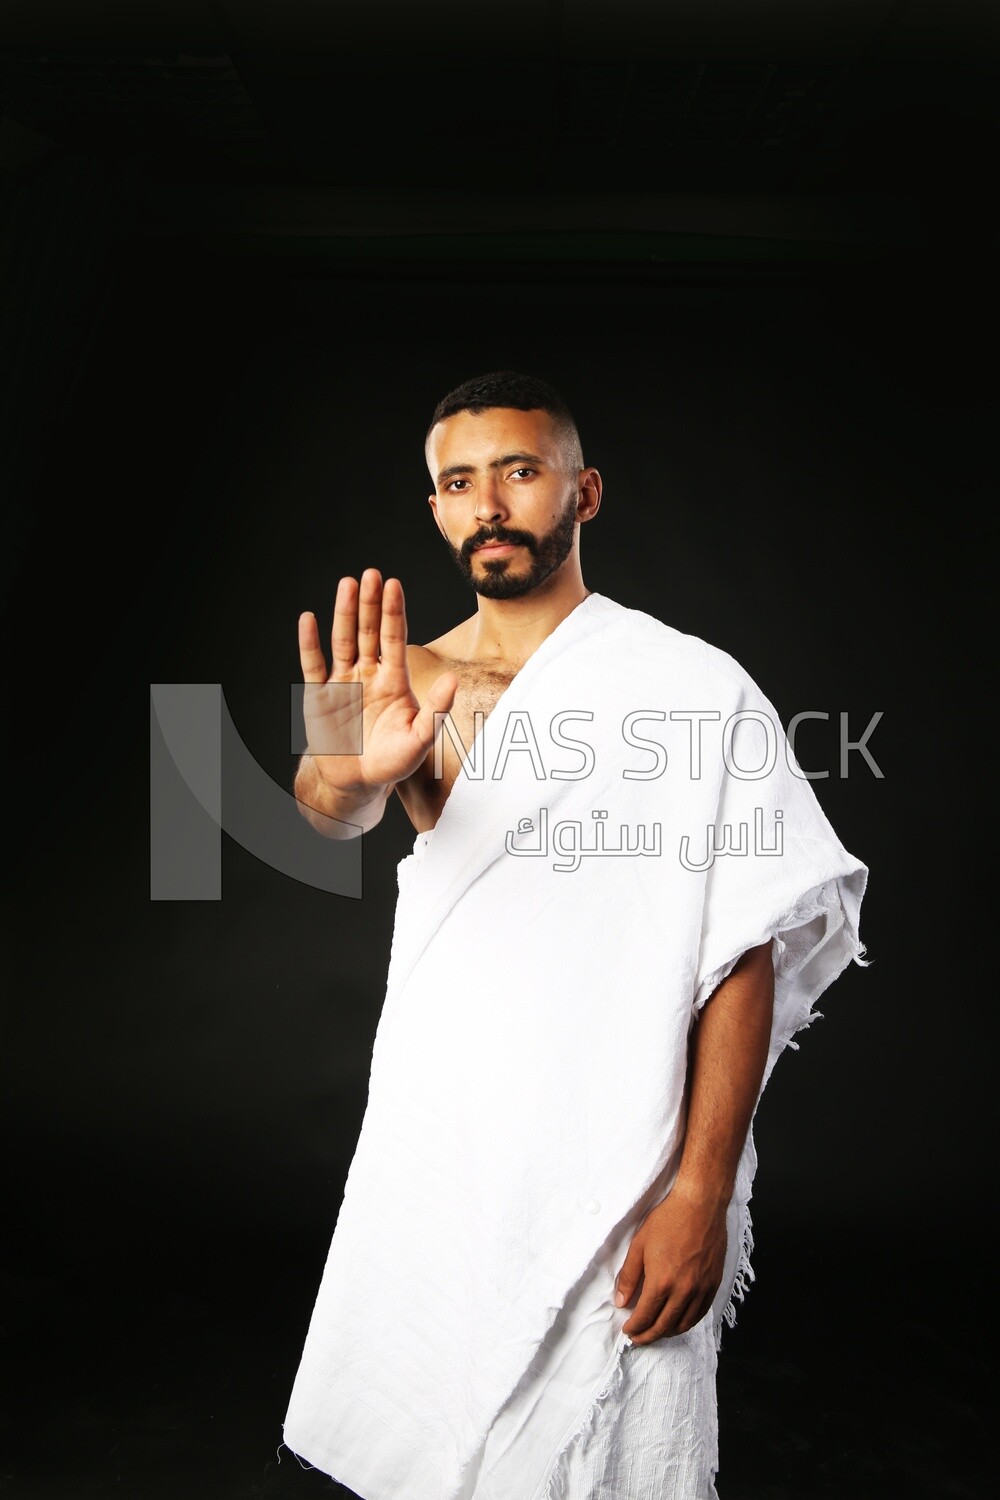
x: 229, y: 315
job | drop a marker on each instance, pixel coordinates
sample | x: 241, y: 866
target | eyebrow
x: 497, y: 463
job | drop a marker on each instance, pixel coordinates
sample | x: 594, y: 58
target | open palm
x: 372, y: 739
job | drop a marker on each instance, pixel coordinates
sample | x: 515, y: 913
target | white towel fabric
x: 527, y: 1094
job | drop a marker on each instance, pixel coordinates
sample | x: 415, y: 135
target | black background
x: 798, y: 461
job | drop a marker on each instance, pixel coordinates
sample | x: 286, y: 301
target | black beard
x: 497, y: 581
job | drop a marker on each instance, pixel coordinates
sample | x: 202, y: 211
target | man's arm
x: 678, y: 1253
x: 339, y: 792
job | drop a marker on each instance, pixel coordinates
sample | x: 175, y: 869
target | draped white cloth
x: 628, y: 823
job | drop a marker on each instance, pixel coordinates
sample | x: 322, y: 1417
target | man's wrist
x: 326, y: 806
x: 354, y: 794
x: 708, y: 1193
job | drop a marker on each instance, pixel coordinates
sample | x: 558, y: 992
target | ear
x: 588, y: 498
x: 432, y: 502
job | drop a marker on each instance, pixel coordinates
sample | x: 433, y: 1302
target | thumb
x: 442, y: 691
x: 439, y: 699
x: 629, y: 1276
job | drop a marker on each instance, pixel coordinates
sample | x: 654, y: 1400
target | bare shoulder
x: 424, y: 665
x: 448, y: 652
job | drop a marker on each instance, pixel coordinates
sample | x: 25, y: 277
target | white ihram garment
x: 527, y: 1096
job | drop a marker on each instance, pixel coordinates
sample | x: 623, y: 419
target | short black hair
x: 522, y: 393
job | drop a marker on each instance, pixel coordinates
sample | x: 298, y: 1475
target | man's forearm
x: 677, y: 1255
x: 337, y: 815
x: 728, y: 1054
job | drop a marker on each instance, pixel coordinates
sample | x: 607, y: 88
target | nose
x: 489, y: 500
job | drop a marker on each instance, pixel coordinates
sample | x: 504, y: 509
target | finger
x: 683, y: 1324
x: 438, y: 699
x: 369, y: 617
x: 344, y: 637
x: 629, y: 1276
x: 311, y: 658
x: 652, y: 1302
x: 392, y: 637
x: 694, y: 1313
x: 675, y: 1317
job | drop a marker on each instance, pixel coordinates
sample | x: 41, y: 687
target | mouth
x: 495, y: 549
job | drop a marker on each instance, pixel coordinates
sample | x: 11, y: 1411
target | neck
x: 512, y: 629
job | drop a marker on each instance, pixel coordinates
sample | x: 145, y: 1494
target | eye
x: 452, y: 483
x: 522, y: 471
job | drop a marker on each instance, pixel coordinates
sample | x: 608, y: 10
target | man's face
x: 505, y: 499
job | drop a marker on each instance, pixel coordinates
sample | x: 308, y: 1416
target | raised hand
x: 359, y: 750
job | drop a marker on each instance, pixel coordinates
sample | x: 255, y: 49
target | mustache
x: 497, y: 534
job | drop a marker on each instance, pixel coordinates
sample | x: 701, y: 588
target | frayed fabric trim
x: 554, y: 1488
x: 744, y: 1277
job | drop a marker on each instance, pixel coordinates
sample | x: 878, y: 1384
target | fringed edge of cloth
x: 744, y: 1275
x: 823, y: 901
x: 560, y: 1475
x: 610, y: 1386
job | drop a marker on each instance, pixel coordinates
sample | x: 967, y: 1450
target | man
x: 546, y: 1218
